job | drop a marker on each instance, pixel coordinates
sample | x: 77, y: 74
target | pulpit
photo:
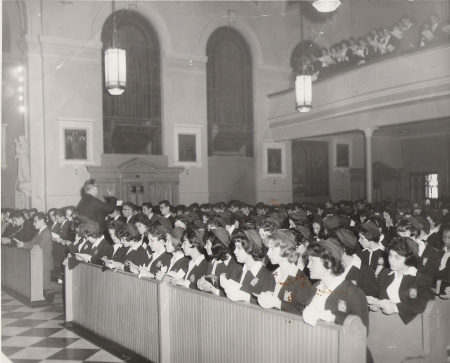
x: 138, y: 180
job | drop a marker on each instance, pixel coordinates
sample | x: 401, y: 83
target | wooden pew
x: 423, y: 340
x: 163, y: 323
x: 22, y: 274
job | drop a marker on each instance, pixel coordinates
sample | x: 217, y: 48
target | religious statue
x: 23, y: 173
x: 23, y: 189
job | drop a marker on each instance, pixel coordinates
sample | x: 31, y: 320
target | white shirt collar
x: 356, y: 261
x: 155, y: 255
x: 197, y: 261
x: 256, y: 267
x: 42, y: 229
x: 410, y: 271
x: 97, y: 242
x: 331, y: 287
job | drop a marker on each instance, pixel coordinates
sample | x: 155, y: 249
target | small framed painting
x: 274, y: 159
x: 187, y: 145
x: 75, y: 141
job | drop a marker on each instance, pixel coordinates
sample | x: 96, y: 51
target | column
x: 368, y: 132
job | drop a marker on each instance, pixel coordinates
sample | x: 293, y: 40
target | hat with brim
x: 223, y: 236
x: 285, y: 236
x: 332, y: 246
x: 331, y: 222
x: 254, y: 237
x: 347, y: 238
x: 371, y: 227
x: 305, y: 232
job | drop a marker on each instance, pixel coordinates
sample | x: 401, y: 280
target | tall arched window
x: 132, y: 121
x: 230, y: 94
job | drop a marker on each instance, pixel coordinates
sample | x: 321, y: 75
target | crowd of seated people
x: 402, y: 36
x: 323, y: 261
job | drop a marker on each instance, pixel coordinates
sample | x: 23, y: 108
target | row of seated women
x: 402, y: 36
x: 326, y: 278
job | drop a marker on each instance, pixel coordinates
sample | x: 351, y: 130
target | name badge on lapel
x: 380, y: 260
x: 159, y: 264
x: 254, y: 281
x: 86, y: 247
x: 424, y: 262
x: 342, y: 306
x: 355, y: 282
x: 95, y: 251
x: 288, y: 296
x: 413, y: 293
x: 192, y: 278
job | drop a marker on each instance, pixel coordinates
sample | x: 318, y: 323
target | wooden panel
x: 117, y: 306
x: 206, y: 328
x: 424, y: 338
x: 22, y: 272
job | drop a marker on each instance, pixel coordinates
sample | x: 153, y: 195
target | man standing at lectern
x: 92, y: 207
x: 43, y: 239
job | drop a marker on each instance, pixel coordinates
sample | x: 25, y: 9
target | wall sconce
x: 232, y: 16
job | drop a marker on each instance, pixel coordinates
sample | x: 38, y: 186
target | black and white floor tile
x: 31, y: 335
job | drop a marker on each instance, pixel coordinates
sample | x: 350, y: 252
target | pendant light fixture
x: 303, y: 82
x: 326, y: 6
x: 115, y: 64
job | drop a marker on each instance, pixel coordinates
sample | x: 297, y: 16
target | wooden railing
x: 22, y: 274
x: 163, y: 323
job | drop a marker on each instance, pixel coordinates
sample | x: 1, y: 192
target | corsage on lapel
x: 254, y: 281
x: 342, y: 306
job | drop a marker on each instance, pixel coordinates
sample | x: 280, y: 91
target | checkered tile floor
x: 31, y: 335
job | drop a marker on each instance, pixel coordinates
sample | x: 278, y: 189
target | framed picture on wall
x: 342, y: 153
x: 187, y: 145
x: 274, y: 162
x: 274, y: 159
x: 75, y: 141
x: 187, y: 148
x: 342, y: 156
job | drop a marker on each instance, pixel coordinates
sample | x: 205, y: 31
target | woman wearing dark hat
x: 356, y: 271
x: 292, y: 287
x: 254, y: 277
x: 159, y: 258
x: 371, y: 254
x: 403, y: 289
x: 100, y: 247
x: 193, y: 248
x: 179, y: 263
x: 333, y: 298
x: 302, y: 240
x: 317, y: 228
x: 136, y: 254
x: 119, y: 251
x: 414, y: 228
x: 217, y: 244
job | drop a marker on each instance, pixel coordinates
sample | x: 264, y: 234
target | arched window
x: 230, y: 94
x: 132, y: 121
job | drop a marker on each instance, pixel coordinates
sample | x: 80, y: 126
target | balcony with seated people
x: 396, y: 88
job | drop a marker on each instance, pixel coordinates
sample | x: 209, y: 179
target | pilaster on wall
x: 35, y: 117
x: 184, y: 108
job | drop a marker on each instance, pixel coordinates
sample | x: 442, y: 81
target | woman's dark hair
x: 155, y: 232
x: 142, y: 219
x: 176, y: 242
x: 219, y: 251
x: 193, y: 239
x: 369, y: 236
x: 399, y: 245
x: 123, y: 233
x: 60, y: 213
x: 97, y: 234
x: 406, y: 225
x: 300, y: 239
x: 257, y: 253
x: 329, y: 261
x: 268, y: 225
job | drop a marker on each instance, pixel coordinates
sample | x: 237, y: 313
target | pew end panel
x: 22, y: 274
x: 423, y: 340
